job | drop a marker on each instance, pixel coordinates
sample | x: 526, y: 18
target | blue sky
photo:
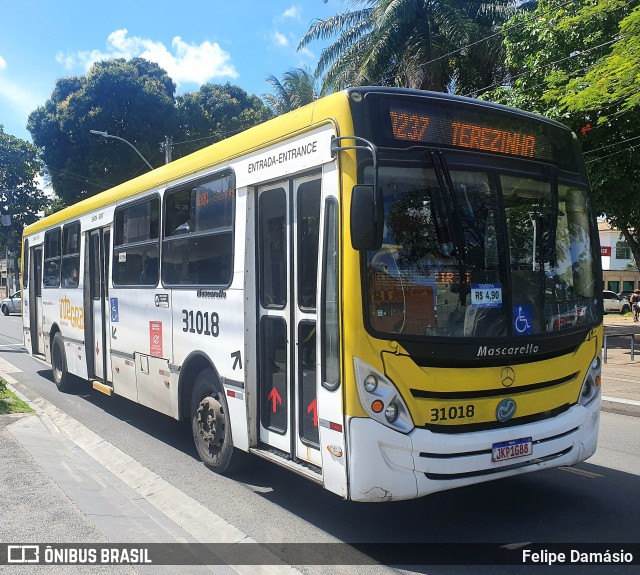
x: 217, y: 41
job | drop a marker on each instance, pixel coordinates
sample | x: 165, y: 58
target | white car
x: 12, y: 304
x: 612, y: 302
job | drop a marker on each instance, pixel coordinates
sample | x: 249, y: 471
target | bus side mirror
x: 366, y: 217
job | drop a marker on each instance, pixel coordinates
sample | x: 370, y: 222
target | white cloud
x: 21, y: 100
x: 278, y: 39
x: 185, y: 63
x: 3, y: 63
x: 295, y: 13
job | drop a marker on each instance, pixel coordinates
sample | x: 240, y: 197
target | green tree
x: 579, y: 63
x: 215, y: 112
x: 20, y: 198
x: 131, y: 99
x: 428, y: 44
x: 297, y: 88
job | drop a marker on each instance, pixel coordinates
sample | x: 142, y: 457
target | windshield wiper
x: 452, y: 212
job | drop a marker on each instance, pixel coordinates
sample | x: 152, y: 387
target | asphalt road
x: 597, y: 501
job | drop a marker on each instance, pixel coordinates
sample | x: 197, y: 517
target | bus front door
x: 287, y: 260
x: 98, y: 322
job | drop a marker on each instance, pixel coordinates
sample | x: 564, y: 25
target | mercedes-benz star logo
x: 507, y: 376
x: 506, y: 410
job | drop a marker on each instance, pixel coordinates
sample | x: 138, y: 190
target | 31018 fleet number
x: 201, y: 322
x: 453, y: 412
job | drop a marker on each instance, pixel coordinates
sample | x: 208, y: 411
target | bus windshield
x: 486, y: 255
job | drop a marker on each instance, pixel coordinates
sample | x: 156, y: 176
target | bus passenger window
x: 52, y: 258
x: 198, y: 233
x: 71, y: 255
x: 136, y: 244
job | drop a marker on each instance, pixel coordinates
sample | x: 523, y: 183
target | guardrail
x: 633, y: 342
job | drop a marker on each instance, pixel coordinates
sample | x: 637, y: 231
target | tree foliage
x: 131, y: 99
x: 215, y: 112
x: 20, y: 197
x: 297, y: 88
x: 578, y: 62
x: 427, y: 44
x: 134, y: 100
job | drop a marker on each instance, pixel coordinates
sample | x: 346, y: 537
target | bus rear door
x: 35, y: 301
x: 97, y: 325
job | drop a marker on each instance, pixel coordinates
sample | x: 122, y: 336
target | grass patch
x: 10, y: 402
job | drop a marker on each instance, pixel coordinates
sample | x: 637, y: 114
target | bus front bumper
x: 386, y: 465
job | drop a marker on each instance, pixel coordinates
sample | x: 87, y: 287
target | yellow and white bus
x: 389, y: 292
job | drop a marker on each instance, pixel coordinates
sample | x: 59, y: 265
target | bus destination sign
x: 484, y: 133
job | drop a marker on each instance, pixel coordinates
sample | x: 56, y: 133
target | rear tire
x: 625, y: 309
x: 211, y: 426
x: 61, y: 377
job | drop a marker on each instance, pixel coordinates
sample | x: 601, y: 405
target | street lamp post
x: 105, y: 135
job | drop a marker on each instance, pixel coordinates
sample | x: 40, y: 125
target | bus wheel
x: 211, y: 426
x: 61, y: 377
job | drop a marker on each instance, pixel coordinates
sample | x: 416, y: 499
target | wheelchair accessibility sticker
x: 522, y: 319
x: 115, y: 315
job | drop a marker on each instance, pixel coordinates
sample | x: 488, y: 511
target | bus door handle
x: 144, y: 363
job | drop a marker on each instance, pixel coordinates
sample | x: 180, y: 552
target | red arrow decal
x: 274, y: 397
x: 313, y: 406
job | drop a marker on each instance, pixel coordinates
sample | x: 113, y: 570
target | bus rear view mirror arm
x: 366, y: 206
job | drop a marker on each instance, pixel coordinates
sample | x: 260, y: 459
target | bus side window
x: 52, y: 258
x: 198, y: 233
x: 136, y: 244
x: 71, y: 255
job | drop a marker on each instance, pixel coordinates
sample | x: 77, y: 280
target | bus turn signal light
x: 377, y: 406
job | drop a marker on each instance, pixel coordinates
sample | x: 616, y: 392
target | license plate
x: 512, y: 449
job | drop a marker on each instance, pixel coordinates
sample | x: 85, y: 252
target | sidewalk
x: 621, y: 375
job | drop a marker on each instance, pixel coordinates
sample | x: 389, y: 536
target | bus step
x: 304, y: 470
x: 102, y: 388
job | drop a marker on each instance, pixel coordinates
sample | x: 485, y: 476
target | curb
x: 621, y: 406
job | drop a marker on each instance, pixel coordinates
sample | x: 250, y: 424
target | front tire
x: 211, y: 426
x: 61, y: 377
x: 5, y: 310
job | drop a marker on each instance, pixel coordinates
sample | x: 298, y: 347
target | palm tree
x: 297, y: 88
x: 428, y: 44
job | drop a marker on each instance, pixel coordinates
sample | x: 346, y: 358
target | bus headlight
x: 391, y: 413
x: 381, y: 399
x: 591, y: 384
x: 370, y: 383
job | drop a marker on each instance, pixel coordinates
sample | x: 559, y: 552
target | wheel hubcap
x: 211, y: 423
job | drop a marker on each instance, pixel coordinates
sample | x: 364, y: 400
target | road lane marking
x: 582, y: 472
